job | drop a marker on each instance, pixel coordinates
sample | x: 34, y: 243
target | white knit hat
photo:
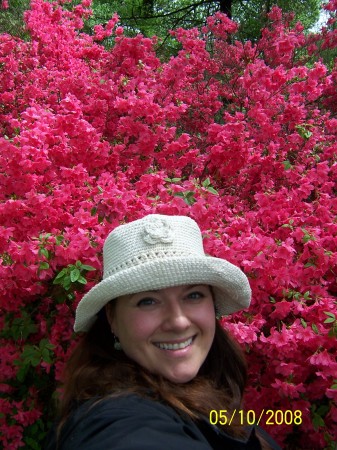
x: 158, y: 252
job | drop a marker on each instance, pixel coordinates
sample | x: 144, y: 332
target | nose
x: 175, y: 318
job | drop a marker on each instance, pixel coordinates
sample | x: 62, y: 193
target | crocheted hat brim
x: 230, y: 286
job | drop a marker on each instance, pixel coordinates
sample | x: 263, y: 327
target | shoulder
x: 121, y: 404
x: 129, y: 422
x: 133, y: 422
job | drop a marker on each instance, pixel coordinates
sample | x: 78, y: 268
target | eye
x: 146, y: 301
x: 195, y: 295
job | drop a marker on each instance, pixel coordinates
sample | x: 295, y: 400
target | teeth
x: 185, y: 344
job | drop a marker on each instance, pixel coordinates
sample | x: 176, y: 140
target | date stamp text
x: 250, y: 417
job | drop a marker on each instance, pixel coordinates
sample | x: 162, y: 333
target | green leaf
x: 330, y: 314
x: 188, y: 196
x: 288, y: 225
x: 333, y: 331
x: 32, y: 444
x: 318, y: 414
x: 59, y: 239
x: 66, y: 283
x: 212, y: 191
x: 36, y: 360
x: 30, y: 356
x: 309, y: 264
x: 74, y: 275
x: 22, y: 372
x: 303, y: 131
x: 206, y: 183
x: 19, y: 328
x: 82, y: 280
x: 43, y: 265
x: 287, y: 165
x: 172, y: 180
x: 43, y: 343
x: 44, y: 252
x: 45, y: 236
x: 329, y: 320
x: 304, y: 323
x: 46, y: 356
x: 318, y: 422
x: 88, y: 268
x: 322, y: 410
x: 60, y: 276
x: 307, y: 236
x: 314, y: 328
x: 29, y: 353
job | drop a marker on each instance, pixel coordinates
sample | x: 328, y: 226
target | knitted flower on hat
x: 157, y: 230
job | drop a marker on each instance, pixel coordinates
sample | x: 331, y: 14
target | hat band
x: 147, y: 257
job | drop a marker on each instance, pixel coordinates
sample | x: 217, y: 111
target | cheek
x: 206, y: 314
x: 206, y: 321
x: 137, y: 327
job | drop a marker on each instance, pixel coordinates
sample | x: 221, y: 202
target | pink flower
x: 323, y: 359
x: 290, y: 390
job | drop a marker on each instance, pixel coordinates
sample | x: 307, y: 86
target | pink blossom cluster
x: 242, y: 137
x: 4, y: 4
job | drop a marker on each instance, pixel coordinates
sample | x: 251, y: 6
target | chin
x: 180, y: 379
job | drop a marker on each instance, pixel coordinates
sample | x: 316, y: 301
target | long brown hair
x: 96, y: 370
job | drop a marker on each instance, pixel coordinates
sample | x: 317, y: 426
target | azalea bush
x: 241, y: 137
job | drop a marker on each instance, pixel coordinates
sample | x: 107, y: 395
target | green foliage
x: 332, y: 319
x: 251, y: 15
x: 188, y: 197
x: 318, y: 413
x: 32, y: 356
x: 71, y: 275
x: 207, y: 185
x: 34, y: 434
x: 303, y: 131
x: 287, y: 165
x: 11, y: 19
x: 158, y: 17
x: 19, y: 328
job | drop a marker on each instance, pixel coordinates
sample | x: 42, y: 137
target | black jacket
x: 132, y: 422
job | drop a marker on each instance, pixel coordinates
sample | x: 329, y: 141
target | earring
x: 217, y: 313
x: 117, y: 344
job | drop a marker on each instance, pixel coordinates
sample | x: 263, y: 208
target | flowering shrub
x: 241, y: 137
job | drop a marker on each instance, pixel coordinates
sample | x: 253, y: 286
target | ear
x: 110, y: 315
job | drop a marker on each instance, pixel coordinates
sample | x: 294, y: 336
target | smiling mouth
x: 176, y: 346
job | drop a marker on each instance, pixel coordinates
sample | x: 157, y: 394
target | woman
x: 154, y: 361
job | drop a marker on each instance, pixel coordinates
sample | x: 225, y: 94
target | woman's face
x: 169, y: 332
